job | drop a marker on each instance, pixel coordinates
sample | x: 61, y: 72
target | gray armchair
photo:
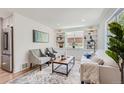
x: 37, y: 57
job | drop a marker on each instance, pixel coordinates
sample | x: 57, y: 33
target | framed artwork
x: 40, y: 37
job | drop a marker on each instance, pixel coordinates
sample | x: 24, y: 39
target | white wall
x: 23, y: 39
x: 102, y: 30
x: 8, y: 21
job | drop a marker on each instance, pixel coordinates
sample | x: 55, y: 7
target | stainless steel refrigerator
x: 7, y: 49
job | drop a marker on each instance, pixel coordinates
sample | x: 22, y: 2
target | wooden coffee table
x: 68, y: 61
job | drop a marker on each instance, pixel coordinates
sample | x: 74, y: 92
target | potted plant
x: 116, y: 45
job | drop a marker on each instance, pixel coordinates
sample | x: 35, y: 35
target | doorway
x: 6, y: 46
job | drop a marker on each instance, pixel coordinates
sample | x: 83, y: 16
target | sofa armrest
x: 109, y: 75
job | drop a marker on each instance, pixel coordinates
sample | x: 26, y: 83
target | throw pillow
x: 87, y: 55
x: 54, y: 51
x: 41, y: 54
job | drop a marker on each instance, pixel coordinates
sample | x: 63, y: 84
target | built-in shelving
x: 60, y: 39
x: 88, y: 42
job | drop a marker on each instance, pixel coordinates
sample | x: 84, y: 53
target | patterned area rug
x: 47, y: 77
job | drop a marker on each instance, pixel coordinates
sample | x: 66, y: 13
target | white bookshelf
x: 60, y: 39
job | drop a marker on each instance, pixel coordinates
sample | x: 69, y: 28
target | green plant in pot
x: 116, y: 45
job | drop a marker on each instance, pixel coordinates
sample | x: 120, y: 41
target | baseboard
x: 26, y: 70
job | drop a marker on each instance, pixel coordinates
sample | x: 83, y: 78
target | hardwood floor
x: 6, y: 76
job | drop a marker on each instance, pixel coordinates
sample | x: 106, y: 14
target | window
x: 74, y: 39
x: 120, y: 18
x: 117, y: 17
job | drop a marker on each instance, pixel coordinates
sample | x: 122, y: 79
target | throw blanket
x: 90, y: 72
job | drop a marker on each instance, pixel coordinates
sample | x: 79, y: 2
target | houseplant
x: 116, y: 45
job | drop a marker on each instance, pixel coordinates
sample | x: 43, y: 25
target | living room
x: 61, y: 46
x: 68, y: 38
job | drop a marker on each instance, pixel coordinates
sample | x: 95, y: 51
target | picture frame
x: 40, y: 37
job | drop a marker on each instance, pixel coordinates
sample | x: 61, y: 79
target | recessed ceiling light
x: 83, y: 20
x: 67, y: 27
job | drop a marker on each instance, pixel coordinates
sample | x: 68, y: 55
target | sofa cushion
x: 84, y: 59
x: 97, y: 60
x: 108, y: 61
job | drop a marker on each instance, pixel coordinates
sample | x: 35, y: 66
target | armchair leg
x: 82, y: 82
x: 48, y: 63
x: 40, y: 67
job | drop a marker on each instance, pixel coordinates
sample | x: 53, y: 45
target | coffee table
x: 68, y: 61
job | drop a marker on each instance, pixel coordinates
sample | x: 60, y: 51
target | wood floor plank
x: 6, y: 76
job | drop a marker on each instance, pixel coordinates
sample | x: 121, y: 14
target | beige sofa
x: 108, y: 73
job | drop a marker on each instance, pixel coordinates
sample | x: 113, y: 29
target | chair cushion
x: 41, y: 54
x: 49, y: 53
x: 37, y: 52
x: 50, y: 50
x: 54, y: 51
x: 44, y: 59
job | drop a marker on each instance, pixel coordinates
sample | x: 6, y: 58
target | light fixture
x: 58, y: 24
x: 68, y: 27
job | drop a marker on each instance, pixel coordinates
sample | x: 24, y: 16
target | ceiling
x: 61, y: 17
x: 4, y: 13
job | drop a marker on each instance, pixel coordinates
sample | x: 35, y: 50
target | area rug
x: 47, y: 77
